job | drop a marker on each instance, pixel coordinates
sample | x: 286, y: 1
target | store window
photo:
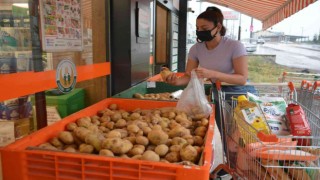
x: 65, y: 20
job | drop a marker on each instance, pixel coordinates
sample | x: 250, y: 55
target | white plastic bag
x: 193, y: 99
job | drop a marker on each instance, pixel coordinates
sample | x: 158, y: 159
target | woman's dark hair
x: 214, y: 14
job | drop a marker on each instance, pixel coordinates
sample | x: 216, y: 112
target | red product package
x: 298, y: 123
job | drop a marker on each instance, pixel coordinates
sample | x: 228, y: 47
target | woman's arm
x: 239, y: 77
x: 183, y: 80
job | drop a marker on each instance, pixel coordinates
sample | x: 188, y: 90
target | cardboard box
x: 10, y: 130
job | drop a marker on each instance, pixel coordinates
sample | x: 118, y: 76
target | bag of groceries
x: 193, y: 99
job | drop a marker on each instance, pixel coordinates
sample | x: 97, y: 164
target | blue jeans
x: 230, y: 91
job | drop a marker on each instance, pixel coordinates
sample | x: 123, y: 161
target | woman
x: 216, y: 57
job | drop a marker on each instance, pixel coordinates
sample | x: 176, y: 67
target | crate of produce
x: 66, y: 103
x: 19, y: 161
x: 157, y: 88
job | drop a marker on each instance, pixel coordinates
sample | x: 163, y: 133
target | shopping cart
x: 255, y: 155
x: 303, y: 92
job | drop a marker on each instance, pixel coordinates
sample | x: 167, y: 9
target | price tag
x: 151, y: 84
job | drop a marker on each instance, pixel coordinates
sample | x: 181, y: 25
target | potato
x: 140, y: 133
x: 110, y: 125
x: 204, y: 122
x: 179, y: 141
x: 156, y: 127
x: 77, y: 140
x: 190, y: 141
x: 146, y: 130
x: 150, y: 156
x: 135, y: 116
x: 132, y: 139
x: 165, y: 72
x: 157, y: 137
x: 124, y: 156
x: 189, y: 153
x: 102, y: 128
x: 106, y: 152
x: 132, y: 128
x: 92, y: 139
x: 198, y: 140
x: 86, y: 148
x: 200, y: 131
x: 113, y: 106
x: 123, y: 132
x: 163, y: 124
x: 186, y: 123
x: 70, y: 149
x: 125, y: 115
x: 173, y: 157
x: 198, y: 148
x: 95, y: 122
x: 56, y: 142
x: 93, y: 128
x: 136, y: 150
x: 66, y: 137
x: 137, y: 157
x: 151, y: 147
x: 117, y: 145
x: 114, y: 134
x: 84, y: 122
x: 162, y: 150
x: 121, y: 123
x: 47, y: 146
x: 105, y: 119
x: 71, y: 126
x: 142, y: 140
x: 164, y: 160
x: 175, y: 148
x: 108, y: 112
x: 169, y: 142
x: 116, y: 116
x: 138, y: 96
x: 178, y: 132
x: 173, y: 124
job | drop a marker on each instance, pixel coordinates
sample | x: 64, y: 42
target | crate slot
x: 127, y: 166
x: 157, y: 176
x: 125, y: 173
x: 69, y: 174
x: 41, y: 172
x: 72, y: 167
x: 95, y: 163
x: 97, y: 170
x: 68, y: 160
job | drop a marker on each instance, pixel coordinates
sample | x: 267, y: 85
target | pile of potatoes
x: 164, y: 134
x: 155, y: 96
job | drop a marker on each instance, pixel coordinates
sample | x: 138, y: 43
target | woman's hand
x: 205, y: 73
x: 171, y: 79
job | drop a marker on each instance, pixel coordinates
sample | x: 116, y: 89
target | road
x: 293, y: 55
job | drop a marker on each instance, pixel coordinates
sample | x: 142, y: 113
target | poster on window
x: 61, y: 25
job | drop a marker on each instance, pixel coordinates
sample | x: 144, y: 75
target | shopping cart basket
x: 254, y: 155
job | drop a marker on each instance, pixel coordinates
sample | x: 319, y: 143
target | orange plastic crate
x: 21, y: 164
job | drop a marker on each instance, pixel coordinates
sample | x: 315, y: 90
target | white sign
x: 230, y: 15
x: 61, y: 25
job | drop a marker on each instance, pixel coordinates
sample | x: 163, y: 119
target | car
x: 250, y: 44
x: 261, y: 41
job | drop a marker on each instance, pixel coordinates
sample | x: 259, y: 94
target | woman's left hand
x: 204, y: 73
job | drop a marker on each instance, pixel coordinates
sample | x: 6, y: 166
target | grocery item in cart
x: 303, y: 170
x: 275, y: 172
x: 299, y: 125
x: 274, y: 109
x: 286, y: 155
x: 252, y: 114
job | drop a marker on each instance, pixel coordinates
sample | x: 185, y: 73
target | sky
x: 305, y: 22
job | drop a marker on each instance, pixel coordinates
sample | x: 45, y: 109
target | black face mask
x: 203, y: 36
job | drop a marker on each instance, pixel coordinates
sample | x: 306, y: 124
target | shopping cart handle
x: 267, y: 137
x: 316, y: 85
x: 218, y: 85
x: 291, y: 86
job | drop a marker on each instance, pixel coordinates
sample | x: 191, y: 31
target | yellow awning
x: 270, y: 12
